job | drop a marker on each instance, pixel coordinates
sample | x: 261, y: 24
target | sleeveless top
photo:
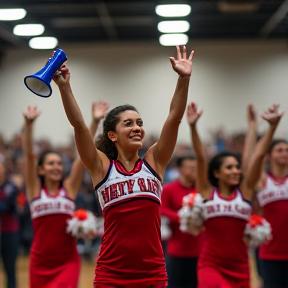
x: 273, y: 198
x: 131, y: 250
x: 49, y: 219
x: 224, y: 248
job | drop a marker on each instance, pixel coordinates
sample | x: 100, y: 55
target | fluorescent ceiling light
x: 173, y: 10
x: 12, y: 14
x: 173, y: 26
x: 28, y: 29
x: 173, y: 39
x: 43, y: 42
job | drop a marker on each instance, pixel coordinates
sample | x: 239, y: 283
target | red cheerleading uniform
x: 274, y: 200
x: 131, y: 254
x: 54, y: 259
x: 223, y: 262
x: 180, y: 244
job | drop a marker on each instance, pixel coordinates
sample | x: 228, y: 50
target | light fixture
x: 173, y: 39
x: 28, y: 29
x: 43, y: 42
x: 12, y: 14
x: 173, y: 10
x: 173, y: 26
x: 238, y: 6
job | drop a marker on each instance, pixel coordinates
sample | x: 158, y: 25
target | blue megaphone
x: 39, y: 83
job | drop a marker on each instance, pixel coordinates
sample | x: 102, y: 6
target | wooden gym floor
x: 87, y: 274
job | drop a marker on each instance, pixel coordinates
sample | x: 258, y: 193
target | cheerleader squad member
x: 128, y: 187
x: 273, y: 199
x: 54, y: 260
x: 223, y: 261
x: 9, y: 226
x: 183, y: 249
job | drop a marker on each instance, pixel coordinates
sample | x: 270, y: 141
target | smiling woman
x: 223, y: 261
x: 131, y: 254
x: 54, y: 259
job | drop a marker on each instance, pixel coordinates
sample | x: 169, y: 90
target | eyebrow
x: 130, y: 119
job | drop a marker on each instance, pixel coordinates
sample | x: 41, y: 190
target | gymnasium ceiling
x: 104, y: 21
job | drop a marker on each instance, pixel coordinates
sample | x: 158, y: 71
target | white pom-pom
x: 191, y: 217
x: 257, y: 231
x: 82, y: 225
x: 165, y: 228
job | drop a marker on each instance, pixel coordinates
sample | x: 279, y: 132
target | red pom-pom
x: 255, y: 220
x: 81, y: 214
x: 190, y: 199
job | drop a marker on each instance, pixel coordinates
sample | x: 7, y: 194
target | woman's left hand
x: 182, y: 65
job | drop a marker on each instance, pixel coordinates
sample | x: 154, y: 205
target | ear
x: 40, y: 170
x: 216, y: 174
x: 112, y: 136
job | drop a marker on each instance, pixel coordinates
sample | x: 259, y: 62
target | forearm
x: 94, y: 127
x: 264, y: 143
x: 28, y: 139
x: 249, y: 145
x: 179, y: 100
x: 170, y: 214
x: 197, y: 143
x: 71, y: 107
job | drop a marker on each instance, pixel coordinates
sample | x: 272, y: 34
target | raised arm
x: 201, y: 171
x: 159, y: 155
x: 250, y: 138
x: 31, y: 179
x: 73, y: 181
x: 272, y: 116
x: 95, y: 161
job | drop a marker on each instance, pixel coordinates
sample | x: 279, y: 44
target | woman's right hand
x: 62, y: 76
x: 31, y: 114
x: 272, y: 115
x: 193, y: 114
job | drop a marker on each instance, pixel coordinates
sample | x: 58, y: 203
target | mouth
x: 136, y: 137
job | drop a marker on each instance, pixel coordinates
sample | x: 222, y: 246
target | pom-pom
x: 166, y: 231
x: 83, y: 224
x: 257, y: 231
x: 191, y: 218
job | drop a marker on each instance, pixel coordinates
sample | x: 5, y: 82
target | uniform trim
x: 122, y: 170
x: 152, y: 170
x: 105, y: 178
x: 125, y: 198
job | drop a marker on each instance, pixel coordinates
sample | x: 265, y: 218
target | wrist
x: 96, y: 121
x: 65, y: 87
x: 184, y: 77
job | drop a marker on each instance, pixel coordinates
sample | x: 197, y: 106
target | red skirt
x: 52, y: 274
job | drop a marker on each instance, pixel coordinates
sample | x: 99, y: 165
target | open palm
x: 31, y: 113
x: 99, y: 109
x: 193, y: 114
x: 181, y: 64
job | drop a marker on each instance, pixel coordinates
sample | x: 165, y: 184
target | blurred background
x: 118, y: 52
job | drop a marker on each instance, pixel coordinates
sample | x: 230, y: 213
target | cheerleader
x: 129, y: 188
x: 54, y: 260
x: 223, y: 261
x: 273, y: 199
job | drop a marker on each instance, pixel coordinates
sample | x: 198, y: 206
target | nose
x: 136, y: 128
